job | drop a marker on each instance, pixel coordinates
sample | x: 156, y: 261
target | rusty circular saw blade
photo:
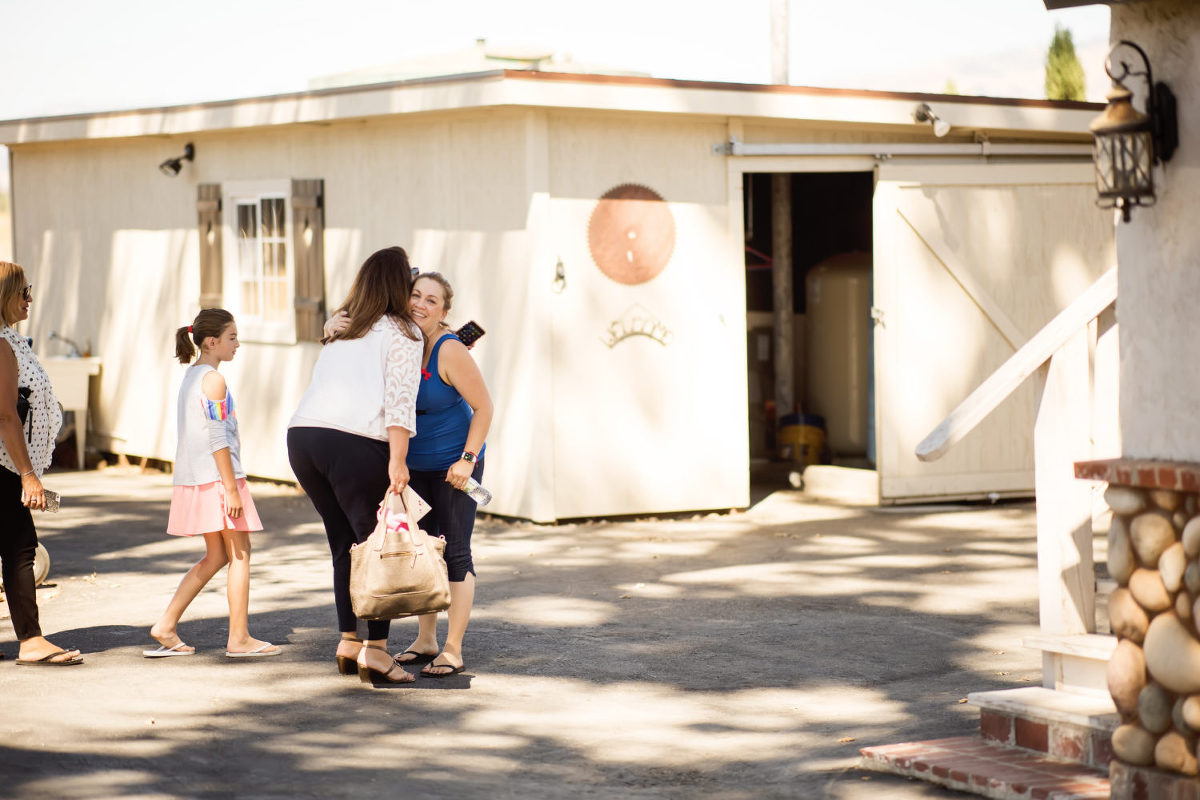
x: 631, y: 234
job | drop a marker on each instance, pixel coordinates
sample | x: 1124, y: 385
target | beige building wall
x: 118, y: 267
x: 645, y: 422
x: 612, y: 397
x: 494, y: 199
x: 1159, y: 252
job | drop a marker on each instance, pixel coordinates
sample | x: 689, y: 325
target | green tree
x: 1064, y: 74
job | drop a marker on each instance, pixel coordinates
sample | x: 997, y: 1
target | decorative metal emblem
x: 636, y: 321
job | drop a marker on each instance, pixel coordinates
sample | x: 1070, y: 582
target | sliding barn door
x: 971, y: 260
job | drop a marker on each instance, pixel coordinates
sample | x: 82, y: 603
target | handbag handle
x: 385, y: 505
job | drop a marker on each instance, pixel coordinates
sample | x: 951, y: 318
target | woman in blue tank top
x: 454, y: 412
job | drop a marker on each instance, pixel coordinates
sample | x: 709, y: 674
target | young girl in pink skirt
x: 210, y: 498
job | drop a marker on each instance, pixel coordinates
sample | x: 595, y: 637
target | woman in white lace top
x: 348, y: 440
x: 26, y: 444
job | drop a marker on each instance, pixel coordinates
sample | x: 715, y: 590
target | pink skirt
x: 201, y: 509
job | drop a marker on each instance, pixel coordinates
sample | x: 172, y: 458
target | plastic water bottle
x: 480, y: 495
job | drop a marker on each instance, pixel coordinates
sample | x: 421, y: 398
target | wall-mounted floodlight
x: 171, y: 166
x: 923, y: 113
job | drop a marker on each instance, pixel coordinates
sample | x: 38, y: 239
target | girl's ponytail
x: 209, y: 322
x: 184, y: 350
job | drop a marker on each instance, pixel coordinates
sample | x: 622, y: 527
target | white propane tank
x: 838, y: 353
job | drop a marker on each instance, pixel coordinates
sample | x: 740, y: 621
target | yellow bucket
x: 803, y: 443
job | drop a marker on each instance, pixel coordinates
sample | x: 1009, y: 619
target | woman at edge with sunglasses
x: 25, y: 453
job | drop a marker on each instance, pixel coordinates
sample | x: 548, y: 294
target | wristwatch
x: 468, y: 456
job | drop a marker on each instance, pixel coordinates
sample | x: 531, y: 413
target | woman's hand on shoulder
x: 214, y: 386
x: 336, y: 324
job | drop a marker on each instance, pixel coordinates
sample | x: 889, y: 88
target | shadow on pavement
x: 727, y: 656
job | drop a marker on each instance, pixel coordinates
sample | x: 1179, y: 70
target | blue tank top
x: 443, y: 418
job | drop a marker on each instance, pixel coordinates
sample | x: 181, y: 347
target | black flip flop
x: 421, y: 658
x: 46, y: 661
x: 453, y: 671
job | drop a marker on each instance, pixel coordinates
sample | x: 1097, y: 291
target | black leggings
x: 18, y: 541
x: 345, y: 476
x: 452, y: 516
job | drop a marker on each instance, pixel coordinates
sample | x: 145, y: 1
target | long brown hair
x: 382, y: 286
x: 12, y: 282
x: 209, y: 322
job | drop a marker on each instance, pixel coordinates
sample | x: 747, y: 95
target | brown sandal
x: 347, y: 665
x: 371, y: 675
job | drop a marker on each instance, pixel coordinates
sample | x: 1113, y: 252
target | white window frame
x: 253, y: 328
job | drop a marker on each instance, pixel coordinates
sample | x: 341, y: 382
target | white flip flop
x: 259, y: 651
x: 165, y: 652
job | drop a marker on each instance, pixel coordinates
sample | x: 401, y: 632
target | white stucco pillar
x: 1159, y: 252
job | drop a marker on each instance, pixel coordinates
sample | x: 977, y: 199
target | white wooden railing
x: 1004, y: 381
x: 1064, y: 356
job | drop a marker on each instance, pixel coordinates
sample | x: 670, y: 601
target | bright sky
x: 72, y: 56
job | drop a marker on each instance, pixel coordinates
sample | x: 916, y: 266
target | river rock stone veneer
x: 1154, y: 556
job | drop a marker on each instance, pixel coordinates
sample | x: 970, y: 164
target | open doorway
x: 832, y: 370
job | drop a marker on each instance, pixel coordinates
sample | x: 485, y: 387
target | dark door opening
x: 831, y: 232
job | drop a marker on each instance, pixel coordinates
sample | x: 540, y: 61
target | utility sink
x: 70, y: 378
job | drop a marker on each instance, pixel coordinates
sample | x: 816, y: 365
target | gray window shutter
x: 308, y: 235
x: 208, y: 207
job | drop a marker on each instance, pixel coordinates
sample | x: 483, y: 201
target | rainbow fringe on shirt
x: 218, y: 409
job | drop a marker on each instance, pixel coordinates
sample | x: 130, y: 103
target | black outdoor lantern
x: 1128, y: 142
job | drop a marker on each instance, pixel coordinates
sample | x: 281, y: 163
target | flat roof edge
x: 816, y: 91
x: 304, y: 95
x: 502, y: 88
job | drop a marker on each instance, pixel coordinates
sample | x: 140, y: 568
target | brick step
x: 1066, y: 725
x: 987, y: 768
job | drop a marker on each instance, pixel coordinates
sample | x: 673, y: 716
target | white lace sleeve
x: 401, y: 378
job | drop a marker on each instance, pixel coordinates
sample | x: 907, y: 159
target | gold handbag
x: 398, y: 572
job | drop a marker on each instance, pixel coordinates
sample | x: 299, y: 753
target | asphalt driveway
x: 733, y: 656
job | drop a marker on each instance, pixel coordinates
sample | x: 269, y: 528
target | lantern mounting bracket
x: 1128, y: 143
x: 1160, y: 100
